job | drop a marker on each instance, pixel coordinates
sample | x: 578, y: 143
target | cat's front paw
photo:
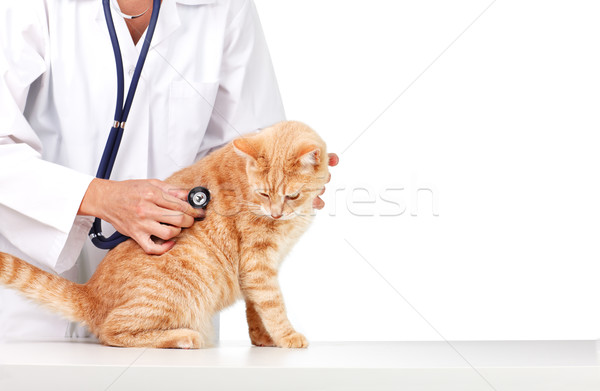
x: 260, y: 338
x: 294, y: 340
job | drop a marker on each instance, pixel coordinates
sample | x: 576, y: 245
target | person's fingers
x: 167, y: 201
x: 175, y: 195
x: 333, y: 159
x: 164, y: 232
x: 144, y: 241
x: 160, y: 246
x: 151, y: 212
x: 201, y: 213
x: 172, y: 217
x: 166, y: 246
x: 318, y: 203
x: 171, y: 189
x: 178, y: 193
x: 152, y: 248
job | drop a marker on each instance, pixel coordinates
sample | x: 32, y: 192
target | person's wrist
x: 91, y: 203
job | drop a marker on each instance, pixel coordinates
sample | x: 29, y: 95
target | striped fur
x: 167, y: 301
x: 58, y: 294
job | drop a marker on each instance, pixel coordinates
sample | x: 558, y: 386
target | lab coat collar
x: 168, y: 20
x: 195, y: 2
x: 100, y: 12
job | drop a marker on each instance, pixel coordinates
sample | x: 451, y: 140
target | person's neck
x: 136, y: 26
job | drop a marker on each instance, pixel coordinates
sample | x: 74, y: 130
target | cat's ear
x: 309, y: 156
x: 245, y: 149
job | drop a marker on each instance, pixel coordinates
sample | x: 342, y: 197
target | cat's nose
x: 276, y: 216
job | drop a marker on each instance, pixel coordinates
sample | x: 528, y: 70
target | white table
x: 464, y: 366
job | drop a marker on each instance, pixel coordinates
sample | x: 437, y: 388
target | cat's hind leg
x: 129, y: 328
x: 174, y: 339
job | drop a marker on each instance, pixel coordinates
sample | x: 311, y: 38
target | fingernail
x: 171, y: 244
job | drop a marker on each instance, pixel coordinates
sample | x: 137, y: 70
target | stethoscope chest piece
x: 199, y: 197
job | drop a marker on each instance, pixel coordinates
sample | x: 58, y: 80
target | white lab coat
x: 208, y: 78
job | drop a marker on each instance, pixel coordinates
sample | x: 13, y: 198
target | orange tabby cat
x: 262, y: 189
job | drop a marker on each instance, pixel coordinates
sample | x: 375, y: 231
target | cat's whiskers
x: 248, y: 207
x: 302, y: 217
x: 256, y: 209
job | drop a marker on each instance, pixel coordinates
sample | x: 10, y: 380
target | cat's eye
x: 263, y: 194
x: 293, y: 196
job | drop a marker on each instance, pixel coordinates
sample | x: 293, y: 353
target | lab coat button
x: 131, y: 71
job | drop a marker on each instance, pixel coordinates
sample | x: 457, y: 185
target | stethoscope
x: 199, y: 196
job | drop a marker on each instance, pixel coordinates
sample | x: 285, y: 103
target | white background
x: 502, y: 128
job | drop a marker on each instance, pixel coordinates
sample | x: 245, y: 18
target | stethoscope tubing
x: 115, y: 136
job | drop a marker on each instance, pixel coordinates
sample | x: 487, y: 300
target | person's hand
x: 318, y: 203
x: 141, y: 209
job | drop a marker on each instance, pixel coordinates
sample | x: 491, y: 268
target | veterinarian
x: 208, y: 79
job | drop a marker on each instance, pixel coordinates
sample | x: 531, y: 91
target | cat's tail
x: 60, y: 295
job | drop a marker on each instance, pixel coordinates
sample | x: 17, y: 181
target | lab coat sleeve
x: 248, y: 96
x: 39, y: 200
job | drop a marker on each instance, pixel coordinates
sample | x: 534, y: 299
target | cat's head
x: 287, y: 167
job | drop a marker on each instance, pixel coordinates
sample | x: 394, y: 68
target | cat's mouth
x: 278, y: 217
x: 283, y: 217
